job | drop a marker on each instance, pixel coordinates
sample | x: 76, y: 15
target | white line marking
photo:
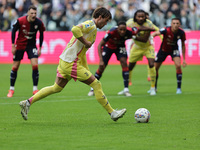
x: 86, y: 98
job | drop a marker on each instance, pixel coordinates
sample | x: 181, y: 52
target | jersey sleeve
x: 42, y: 28
x: 135, y: 30
x: 183, y: 38
x: 87, y: 26
x: 16, y: 26
x: 163, y: 30
x: 107, y: 36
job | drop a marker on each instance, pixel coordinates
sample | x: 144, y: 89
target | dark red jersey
x: 114, y: 40
x: 27, y: 32
x: 170, y: 39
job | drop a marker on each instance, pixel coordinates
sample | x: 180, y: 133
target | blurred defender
x: 169, y: 46
x: 26, y: 42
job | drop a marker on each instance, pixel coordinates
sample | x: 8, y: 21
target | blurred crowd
x: 61, y: 15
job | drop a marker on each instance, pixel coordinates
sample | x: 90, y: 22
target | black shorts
x: 31, y: 51
x: 161, y: 56
x: 107, y: 53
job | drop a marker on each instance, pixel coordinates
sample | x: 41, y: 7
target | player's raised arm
x: 143, y: 39
x: 143, y: 28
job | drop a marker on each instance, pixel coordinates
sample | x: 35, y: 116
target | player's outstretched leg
x: 25, y: 105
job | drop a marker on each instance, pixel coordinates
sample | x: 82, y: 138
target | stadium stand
x: 61, y: 15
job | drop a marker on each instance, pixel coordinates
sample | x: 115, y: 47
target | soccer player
x: 26, y: 42
x: 73, y: 64
x: 114, y: 42
x: 169, y: 46
x: 142, y: 46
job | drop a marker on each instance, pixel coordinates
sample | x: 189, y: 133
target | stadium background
x: 60, y: 15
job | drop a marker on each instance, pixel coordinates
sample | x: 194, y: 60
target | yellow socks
x: 153, y: 76
x: 45, y: 92
x: 101, y: 98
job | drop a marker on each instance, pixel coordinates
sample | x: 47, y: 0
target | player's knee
x: 123, y: 63
x: 35, y: 67
x: 57, y: 88
x: 151, y: 65
x: 178, y: 67
x: 15, y: 69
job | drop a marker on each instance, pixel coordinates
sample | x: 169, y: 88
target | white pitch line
x: 86, y: 98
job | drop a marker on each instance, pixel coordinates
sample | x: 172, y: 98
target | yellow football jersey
x: 148, y: 23
x: 75, y: 48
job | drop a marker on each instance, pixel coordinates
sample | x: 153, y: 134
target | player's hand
x: 184, y: 63
x: 88, y: 44
x: 39, y: 52
x: 13, y: 49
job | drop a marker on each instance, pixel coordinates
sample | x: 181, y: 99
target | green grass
x: 71, y: 120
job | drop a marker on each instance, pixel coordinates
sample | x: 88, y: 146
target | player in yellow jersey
x: 142, y: 46
x: 73, y: 64
x: 152, y: 43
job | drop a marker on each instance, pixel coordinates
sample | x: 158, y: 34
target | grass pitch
x: 72, y: 120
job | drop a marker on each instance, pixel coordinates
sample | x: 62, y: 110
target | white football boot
x: 116, y: 114
x: 91, y: 93
x: 24, y: 109
x: 125, y: 92
x: 178, y: 91
x: 152, y: 91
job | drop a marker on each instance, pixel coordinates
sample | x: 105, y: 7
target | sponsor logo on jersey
x: 24, y: 31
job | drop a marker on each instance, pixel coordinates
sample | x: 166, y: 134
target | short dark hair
x: 32, y: 7
x: 121, y: 23
x: 103, y: 12
x: 177, y: 19
x: 139, y: 11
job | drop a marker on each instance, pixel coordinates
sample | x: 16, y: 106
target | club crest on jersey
x: 87, y: 25
x: 36, y: 26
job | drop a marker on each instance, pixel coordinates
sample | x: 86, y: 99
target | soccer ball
x: 142, y: 115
